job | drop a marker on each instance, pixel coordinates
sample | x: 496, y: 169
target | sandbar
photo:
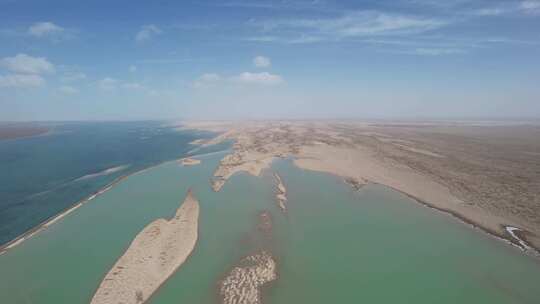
x: 152, y: 257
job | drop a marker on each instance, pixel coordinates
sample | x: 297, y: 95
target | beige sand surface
x: 476, y: 172
x: 152, y: 257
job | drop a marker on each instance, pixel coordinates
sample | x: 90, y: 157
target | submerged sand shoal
x: 152, y: 257
x: 243, y: 284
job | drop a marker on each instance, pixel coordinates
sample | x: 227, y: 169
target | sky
x: 132, y: 60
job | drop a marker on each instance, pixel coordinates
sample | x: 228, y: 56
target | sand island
x: 189, y: 161
x: 152, y: 257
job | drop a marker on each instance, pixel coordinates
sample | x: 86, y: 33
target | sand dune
x: 153, y: 256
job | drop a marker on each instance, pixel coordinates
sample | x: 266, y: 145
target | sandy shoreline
x: 55, y: 218
x: 514, y: 240
x: 360, y: 155
x: 152, y: 257
x: 50, y: 221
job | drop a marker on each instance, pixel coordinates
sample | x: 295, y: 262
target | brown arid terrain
x: 18, y: 130
x: 153, y: 256
x: 486, y: 174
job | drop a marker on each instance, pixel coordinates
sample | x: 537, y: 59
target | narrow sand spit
x: 281, y: 193
x: 30, y: 233
x: 153, y: 256
x: 242, y: 285
x: 189, y: 161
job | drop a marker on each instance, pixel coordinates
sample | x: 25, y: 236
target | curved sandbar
x: 153, y: 256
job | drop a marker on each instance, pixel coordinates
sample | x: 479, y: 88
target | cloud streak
x: 245, y: 79
x: 263, y: 78
x: 353, y: 24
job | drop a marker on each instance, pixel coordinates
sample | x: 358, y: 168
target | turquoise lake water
x: 333, y: 245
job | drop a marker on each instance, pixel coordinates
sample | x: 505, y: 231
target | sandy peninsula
x: 483, y: 174
x: 152, y: 257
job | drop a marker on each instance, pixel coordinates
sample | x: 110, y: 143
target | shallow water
x: 333, y: 245
x: 379, y: 246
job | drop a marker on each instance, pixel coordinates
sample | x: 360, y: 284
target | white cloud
x: 147, y: 32
x: 530, y: 6
x: 261, y: 62
x: 438, y: 51
x: 263, y: 78
x: 21, y: 81
x: 71, y: 76
x: 108, y: 84
x: 133, y: 68
x: 132, y: 86
x: 206, y: 80
x: 492, y: 11
x: 245, y: 78
x: 286, y: 39
x: 42, y: 29
x: 68, y: 90
x: 111, y: 84
x: 25, y: 64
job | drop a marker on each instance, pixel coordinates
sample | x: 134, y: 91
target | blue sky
x: 68, y: 60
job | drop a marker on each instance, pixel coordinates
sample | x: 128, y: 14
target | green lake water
x: 333, y: 246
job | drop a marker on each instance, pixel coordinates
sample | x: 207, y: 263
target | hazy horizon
x: 405, y: 59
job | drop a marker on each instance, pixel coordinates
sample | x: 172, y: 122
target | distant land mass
x: 18, y: 130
